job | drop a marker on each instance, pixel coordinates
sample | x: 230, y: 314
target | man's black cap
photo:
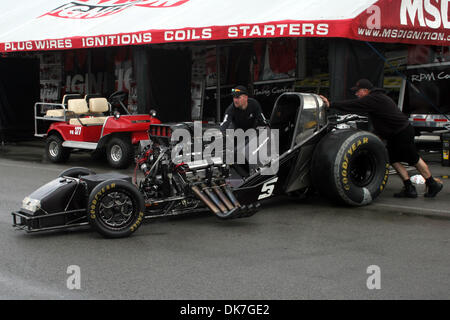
x: 238, y: 90
x: 362, y: 84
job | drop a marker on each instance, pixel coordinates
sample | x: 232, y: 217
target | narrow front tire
x: 115, y: 208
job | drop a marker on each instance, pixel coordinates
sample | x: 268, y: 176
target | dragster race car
x: 348, y: 166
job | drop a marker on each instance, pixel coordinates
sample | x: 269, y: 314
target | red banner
x: 405, y: 21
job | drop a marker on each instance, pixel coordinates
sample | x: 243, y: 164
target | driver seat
x: 96, y: 107
x: 283, y: 118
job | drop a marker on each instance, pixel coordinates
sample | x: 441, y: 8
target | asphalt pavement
x: 438, y: 206
x: 290, y: 249
x: 33, y: 151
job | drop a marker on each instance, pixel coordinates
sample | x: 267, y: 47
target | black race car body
x: 346, y: 165
x: 61, y: 202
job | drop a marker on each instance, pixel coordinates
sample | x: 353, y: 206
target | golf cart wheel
x: 119, y: 152
x: 350, y: 167
x: 115, y: 208
x: 76, y: 172
x: 54, y: 149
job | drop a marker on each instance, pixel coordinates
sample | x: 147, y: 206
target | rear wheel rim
x: 362, y: 168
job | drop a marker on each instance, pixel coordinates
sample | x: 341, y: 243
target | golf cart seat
x: 78, y: 107
x: 91, y: 96
x: 59, y: 113
x: 96, y: 106
x: 70, y: 96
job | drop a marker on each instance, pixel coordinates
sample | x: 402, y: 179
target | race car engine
x: 186, y: 186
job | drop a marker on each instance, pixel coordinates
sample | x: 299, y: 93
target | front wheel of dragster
x: 119, y: 152
x: 115, y: 208
x: 350, y: 167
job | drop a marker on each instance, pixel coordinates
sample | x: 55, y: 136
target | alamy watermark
x: 374, y: 280
x: 258, y: 147
x: 73, y: 282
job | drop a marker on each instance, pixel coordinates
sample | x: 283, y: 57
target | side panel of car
x: 133, y: 123
x: 136, y: 124
x: 271, y: 186
x: 76, y: 133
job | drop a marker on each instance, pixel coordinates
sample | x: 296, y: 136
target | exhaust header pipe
x: 231, y: 196
x: 221, y: 201
x: 205, y: 200
x: 214, y: 199
x: 223, y: 197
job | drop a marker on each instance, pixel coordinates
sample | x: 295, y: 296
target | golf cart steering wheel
x: 118, y: 96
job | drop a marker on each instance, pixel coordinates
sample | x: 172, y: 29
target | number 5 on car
x: 267, y: 188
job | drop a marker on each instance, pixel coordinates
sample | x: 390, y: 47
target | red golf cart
x: 89, y: 123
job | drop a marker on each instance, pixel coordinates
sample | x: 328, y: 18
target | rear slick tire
x: 350, y: 167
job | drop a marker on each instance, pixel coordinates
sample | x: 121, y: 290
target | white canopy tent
x: 35, y: 25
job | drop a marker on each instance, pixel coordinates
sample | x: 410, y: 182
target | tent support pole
x: 218, y: 84
x: 89, y: 71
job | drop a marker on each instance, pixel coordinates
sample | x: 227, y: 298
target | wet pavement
x: 438, y: 206
x: 290, y: 249
x: 33, y: 152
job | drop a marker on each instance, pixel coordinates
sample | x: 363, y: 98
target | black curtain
x: 237, y: 72
x: 19, y: 91
x: 351, y: 60
x: 239, y: 65
x: 102, y: 69
x: 169, y: 85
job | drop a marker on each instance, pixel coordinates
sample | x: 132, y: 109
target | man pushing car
x: 393, y: 126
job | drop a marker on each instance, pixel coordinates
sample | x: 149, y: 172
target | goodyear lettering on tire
x: 138, y: 221
x: 385, y: 179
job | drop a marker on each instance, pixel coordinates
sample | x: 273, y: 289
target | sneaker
x: 407, y: 192
x: 433, y: 189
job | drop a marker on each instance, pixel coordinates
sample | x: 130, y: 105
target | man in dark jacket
x: 392, y: 125
x: 243, y: 113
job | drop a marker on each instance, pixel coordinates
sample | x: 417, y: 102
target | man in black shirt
x: 243, y: 113
x: 393, y: 126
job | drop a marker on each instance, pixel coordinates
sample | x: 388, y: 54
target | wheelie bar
x: 222, y: 202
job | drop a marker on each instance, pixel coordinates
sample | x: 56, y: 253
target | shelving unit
x: 50, y: 77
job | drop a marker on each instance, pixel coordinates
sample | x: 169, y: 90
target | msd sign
x: 433, y: 14
x: 423, y: 22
